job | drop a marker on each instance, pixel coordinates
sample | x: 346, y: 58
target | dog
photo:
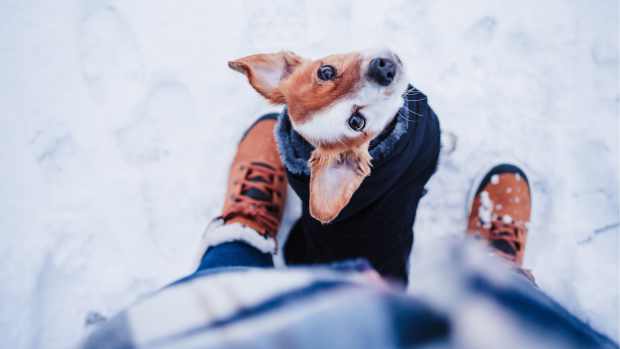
x: 343, y: 106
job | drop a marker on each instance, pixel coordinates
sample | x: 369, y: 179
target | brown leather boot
x: 256, y: 192
x: 500, y: 213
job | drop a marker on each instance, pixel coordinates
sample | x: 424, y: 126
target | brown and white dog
x: 338, y: 103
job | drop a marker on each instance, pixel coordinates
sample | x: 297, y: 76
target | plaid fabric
x: 456, y: 303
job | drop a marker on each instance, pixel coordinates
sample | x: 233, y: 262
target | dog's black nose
x: 382, y: 71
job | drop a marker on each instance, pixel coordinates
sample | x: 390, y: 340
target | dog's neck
x: 386, y: 132
x: 295, y: 150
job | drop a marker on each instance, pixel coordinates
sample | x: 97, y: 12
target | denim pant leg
x: 229, y: 256
x: 234, y: 254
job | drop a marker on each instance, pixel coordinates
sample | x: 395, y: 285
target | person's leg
x: 500, y: 211
x: 234, y: 254
x: 523, y: 301
x: 244, y: 235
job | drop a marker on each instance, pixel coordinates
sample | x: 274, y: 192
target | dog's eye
x: 326, y: 72
x: 357, y: 122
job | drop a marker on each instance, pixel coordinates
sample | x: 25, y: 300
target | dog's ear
x: 334, y: 177
x: 265, y: 71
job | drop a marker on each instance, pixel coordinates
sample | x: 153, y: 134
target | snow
x: 120, y: 119
x: 495, y: 179
x: 485, y: 211
x: 218, y: 233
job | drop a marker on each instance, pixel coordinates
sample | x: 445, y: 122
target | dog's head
x: 338, y: 103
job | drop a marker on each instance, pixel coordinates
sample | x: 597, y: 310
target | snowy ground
x: 119, y: 119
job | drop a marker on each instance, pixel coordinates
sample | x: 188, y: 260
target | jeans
x: 228, y: 256
x: 234, y: 254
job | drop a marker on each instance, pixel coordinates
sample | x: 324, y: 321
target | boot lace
x: 506, y: 237
x: 255, y: 196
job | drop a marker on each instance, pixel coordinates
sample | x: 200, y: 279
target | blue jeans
x: 234, y: 254
x: 228, y: 256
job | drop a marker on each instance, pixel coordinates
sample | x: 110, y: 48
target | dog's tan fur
x: 326, y: 202
x: 283, y: 63
x: 306, y: 94
x: 338, y: 166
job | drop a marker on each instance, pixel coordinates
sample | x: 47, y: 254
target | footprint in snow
x: 112, y: 64
x: 163, y: 142
x: 163, y: 126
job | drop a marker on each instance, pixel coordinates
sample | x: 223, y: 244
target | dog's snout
x: 382, y: 70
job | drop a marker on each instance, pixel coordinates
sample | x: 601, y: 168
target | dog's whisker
x: 405, y: 116
x: 414, y: 100
x: 405, y: 112
x: 411, y: 93
x: 411, y: 96
x: 412, y: 112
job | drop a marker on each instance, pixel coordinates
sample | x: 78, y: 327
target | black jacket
x: 377, y: 224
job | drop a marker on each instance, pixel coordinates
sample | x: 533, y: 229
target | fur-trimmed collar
x: 295, y: 151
